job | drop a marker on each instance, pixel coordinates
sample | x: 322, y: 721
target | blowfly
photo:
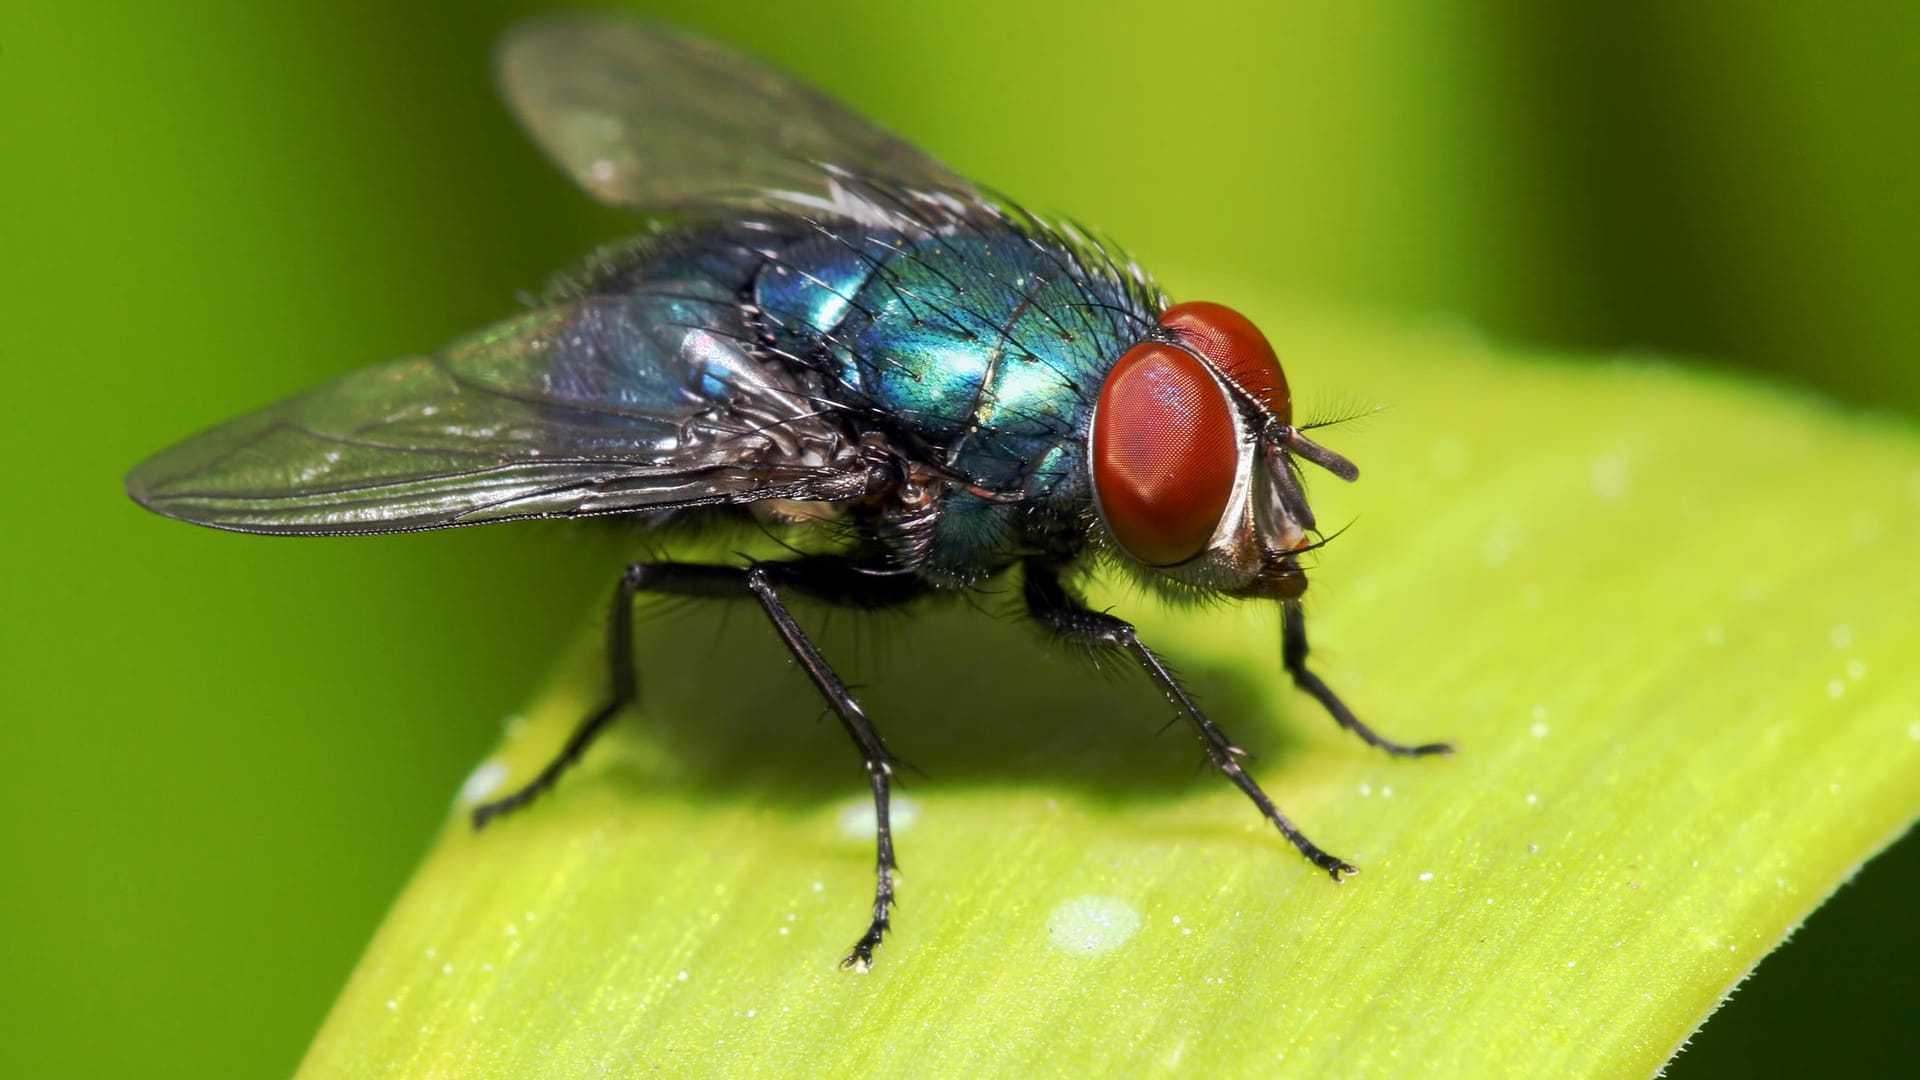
x: 824, y: 331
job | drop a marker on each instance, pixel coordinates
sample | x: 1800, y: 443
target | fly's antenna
x: 1298, y: 444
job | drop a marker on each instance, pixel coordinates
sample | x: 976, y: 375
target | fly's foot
x: 487, y: 811
x: 860, y: 959
x: 1423, y: 750
x: 1333, y: 865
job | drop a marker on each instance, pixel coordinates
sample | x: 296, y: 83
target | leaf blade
x: 1662, y: 613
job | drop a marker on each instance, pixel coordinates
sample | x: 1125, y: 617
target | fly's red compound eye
x: 1236, y: 349
x: 1165, y: 453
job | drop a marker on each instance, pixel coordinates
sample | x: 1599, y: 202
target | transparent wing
x: 651, y: 118
x: 604, y: 405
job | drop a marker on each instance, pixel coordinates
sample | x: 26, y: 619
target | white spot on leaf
x: 1091, y: 925
x: 485, y: 779
x: 859, y: 823
x: 1611, y: 476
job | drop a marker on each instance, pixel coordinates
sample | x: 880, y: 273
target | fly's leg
x: 830, y: 579
x: 1049, y: 602
x: 836, y: 581
x: 1293, y: 653
x: 620, y: 691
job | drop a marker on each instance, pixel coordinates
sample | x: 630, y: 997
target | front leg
x: 1062, y: 613
x: 1293, y: 653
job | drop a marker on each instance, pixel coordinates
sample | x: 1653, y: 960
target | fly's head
x: 1195, y: 457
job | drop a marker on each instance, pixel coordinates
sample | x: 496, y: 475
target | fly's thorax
x: 1191, y: 451
x: 977, y: 354
x: 980, y: 346
x: 808, y: 279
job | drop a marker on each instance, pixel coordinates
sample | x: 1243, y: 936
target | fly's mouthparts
x: 1286, y: 487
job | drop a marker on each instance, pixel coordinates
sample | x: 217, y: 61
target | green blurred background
x: 224, y: 754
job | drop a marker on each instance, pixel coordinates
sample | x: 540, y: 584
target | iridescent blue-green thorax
x: 984, y: 348
x: 979, y: 352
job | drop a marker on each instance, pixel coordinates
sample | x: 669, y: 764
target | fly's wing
x: 651, y: 118
x: 606, y: 404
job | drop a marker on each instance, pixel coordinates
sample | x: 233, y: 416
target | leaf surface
x: 1668, y: 618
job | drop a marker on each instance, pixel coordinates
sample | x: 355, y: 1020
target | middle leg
x: 842, y: 582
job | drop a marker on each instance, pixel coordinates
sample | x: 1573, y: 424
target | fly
x: 824, y: 330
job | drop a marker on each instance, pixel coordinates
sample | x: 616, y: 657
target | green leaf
x: 1668, y: 618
